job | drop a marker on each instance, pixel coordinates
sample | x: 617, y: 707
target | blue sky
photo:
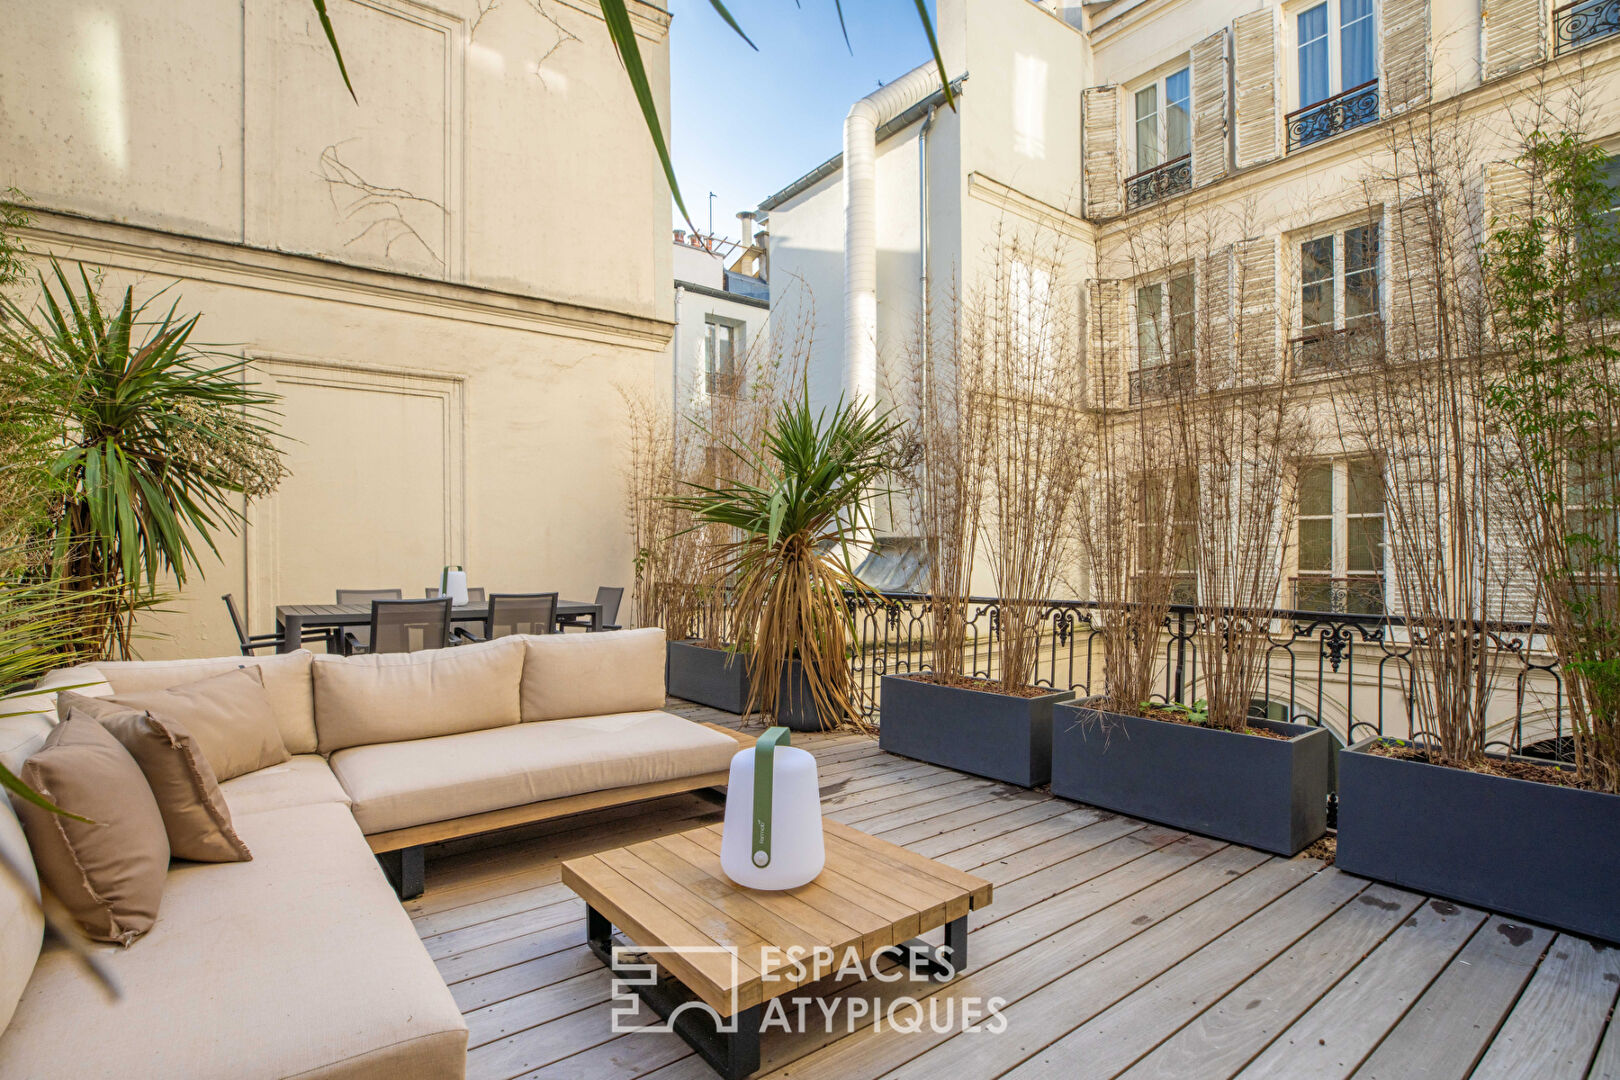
x: 746, y: 124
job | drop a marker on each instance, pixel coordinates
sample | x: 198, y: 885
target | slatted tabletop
x: 670, y: 893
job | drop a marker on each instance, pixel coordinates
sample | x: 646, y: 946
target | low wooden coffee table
x: 733, y: 948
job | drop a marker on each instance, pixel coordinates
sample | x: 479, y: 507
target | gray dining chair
x: 474, y: 596
x: 516, y: 613
x: 403, y: 626
x: 251, y: 642
x: 608, y: 599
x: 363, y: 596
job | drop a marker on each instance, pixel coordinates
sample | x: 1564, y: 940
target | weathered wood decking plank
x: 1443, y: 1035
x: 1376, y: 994
x: 1118, y: 946
x: 1553, y: 1031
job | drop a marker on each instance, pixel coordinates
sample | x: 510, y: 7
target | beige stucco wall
x: 447, y: 281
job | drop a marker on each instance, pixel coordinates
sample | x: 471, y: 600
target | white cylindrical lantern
x: 772, y: 834
x: 454, y: 585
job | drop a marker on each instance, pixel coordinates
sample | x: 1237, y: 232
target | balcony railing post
x: 1180, y: 680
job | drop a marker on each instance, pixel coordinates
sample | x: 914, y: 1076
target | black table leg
x: 941, y: 962
x: 729, y: 1044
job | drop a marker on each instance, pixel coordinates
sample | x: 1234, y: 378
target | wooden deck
x: 1121, y: 949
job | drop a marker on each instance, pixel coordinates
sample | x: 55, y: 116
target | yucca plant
x: 153, y: 443
x: 819, y: 474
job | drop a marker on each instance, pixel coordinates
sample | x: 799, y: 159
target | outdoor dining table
x: 293, y: 619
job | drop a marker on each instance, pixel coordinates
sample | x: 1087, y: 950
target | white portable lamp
x: 772, y: 834
x: 453, y: 584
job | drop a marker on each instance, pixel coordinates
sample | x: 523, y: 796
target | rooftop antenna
x: 711, y: 217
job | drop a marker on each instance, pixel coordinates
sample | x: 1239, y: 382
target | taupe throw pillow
x: 109, y: 874
x: 228, y: 714
x: 194, y: 812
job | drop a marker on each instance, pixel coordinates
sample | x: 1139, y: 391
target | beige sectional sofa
x: 301, y: 962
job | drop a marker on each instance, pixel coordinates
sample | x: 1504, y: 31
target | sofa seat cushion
x: 397, y: 785
x: 286, y: 683
x: 303, y: 780
x: 299, y: 963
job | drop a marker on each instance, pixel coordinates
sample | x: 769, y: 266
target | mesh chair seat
x: 362, y: 635
x: 406, y: 626
x: 517, y: 613
x: 608, y: 599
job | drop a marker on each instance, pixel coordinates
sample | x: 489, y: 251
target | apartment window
x: 1341, y: 537
x: 1163, y: 136
x: 1030, y: 297
x: 1164, y: 338
x: 1592, y: 515
x: 722, y: 345
x: 1170, y: 502
x: 1339, y: 323
x: 1611, y: 176
x: 1584, y: 22
x: 1336, y: 49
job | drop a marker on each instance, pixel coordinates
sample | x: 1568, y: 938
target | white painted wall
x: 446, y: 281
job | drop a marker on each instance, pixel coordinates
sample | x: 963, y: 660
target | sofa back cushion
x: 286, y: 682
x: 22, y: 927
x: 569, y: 675
x: 229, y: 715
x: 391, y: 697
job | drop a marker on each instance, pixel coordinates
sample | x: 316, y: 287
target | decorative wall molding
x: 1028, y: 207
x: 262, y: 536
x: 143, y: 250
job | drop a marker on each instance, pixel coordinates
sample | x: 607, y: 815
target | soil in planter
x: 973, y: 682
x: 1157, y: 712
x: 1491, y: 766
x: 1325, y: 849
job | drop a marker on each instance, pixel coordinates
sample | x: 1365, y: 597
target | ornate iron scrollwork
x: 1159, y: 182
x: 1354, y: 107
x: 1584, y: 21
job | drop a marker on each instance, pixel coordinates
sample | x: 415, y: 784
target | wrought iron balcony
x: 1584, y: 22
x: 1325, y: 350
x: 1356, y: 106
x: 1363, y: 595
x: 1159, y: 182
x: 1164, y: 379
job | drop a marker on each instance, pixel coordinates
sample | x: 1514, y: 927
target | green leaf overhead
x: 331, y: 39
x: 622, y: 31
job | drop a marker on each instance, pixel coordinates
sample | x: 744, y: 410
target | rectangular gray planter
x: 1001, y: 736
x: 1534, y: 851
x: 712, y: 677
x: 1269, y: 794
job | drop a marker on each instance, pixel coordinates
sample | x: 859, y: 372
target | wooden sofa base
x: 400, y: 851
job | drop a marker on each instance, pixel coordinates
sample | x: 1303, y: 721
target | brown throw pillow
x: 108, y: 874
x: 194, y: 812
x: 228, y: 714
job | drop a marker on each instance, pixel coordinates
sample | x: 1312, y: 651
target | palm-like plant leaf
x: 792, y: 565
x: 623, y: 33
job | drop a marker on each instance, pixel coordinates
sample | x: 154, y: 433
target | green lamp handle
x: 444, y: 579
x: 764, y: 786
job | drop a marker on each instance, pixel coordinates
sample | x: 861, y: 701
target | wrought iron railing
x: 1326, y: 350
x: 1357, y: 595
x: 1165, y: 379
x: 1350, y: 673
x: 1159, y: 182
x: 1313, y: 123
x: 1584, y: 22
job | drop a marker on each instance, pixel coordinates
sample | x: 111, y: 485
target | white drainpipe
x: 860, y: 222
